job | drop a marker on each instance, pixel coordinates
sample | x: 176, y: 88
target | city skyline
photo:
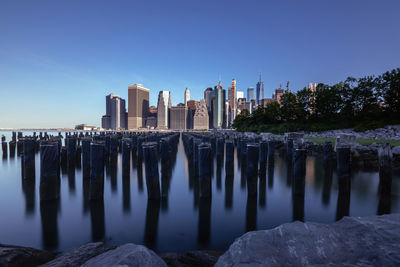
x: 63, y: 67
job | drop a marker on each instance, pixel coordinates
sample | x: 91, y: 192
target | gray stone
x: 352, y: 241
x: 191, y: 258
x: 23, y: 256
x: 126, y: 255
x: 78, y: 256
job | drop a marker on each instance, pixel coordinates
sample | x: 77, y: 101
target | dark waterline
x: 181, y: 221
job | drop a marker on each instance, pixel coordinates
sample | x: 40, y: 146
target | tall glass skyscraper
x: 251, y: 94
x: 260, y: 91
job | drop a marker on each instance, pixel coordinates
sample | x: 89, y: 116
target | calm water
x: 183, y: 222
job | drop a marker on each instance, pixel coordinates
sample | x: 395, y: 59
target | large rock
x: 23, y: 256
x: 191, y: 258
x: 353, y: 241
x: 78, y: 256
x: 128, y: 255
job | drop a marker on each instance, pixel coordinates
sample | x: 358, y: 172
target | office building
x: 115, y: 117
x: 192, y: 106
x: 232, y: 100
x: 278, y: 94
x: 200, y: 118
x: 163, y: 106
x: 218, y: 107
x: 178, y: 117
x: 264, y: 102
x: 259, y: 91
x: 138, y: 106
x: 251, y: 94
x: 187, y: 96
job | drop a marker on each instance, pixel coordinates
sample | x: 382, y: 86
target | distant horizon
x: 58, y: 60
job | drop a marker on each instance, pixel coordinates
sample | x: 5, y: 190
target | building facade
x: 251, y: 94
x: 178, y: 117
x: 115, y: 117
x: 138, y: 106
x: 187, y: 96
x: 163, y: 106
x: 218, y: 106
x: 259, y: 91
x: 239, y: 94
x: 278, y: 94
x: 200, y: 118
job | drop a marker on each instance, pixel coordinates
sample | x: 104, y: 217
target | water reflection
x: 181, y: 220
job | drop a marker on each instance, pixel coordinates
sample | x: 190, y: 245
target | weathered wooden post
x: 71, y: 151
x: 289, y: 149
x: 86, y: 157
x: 220, y: 146
x: 263, y: 151
x: 271, y: 148
x: 252, y: 168
x: 151, y: 165
x: 4, y: 146
x: 28, y: 159
x: 343, y: 157
x: 49, y: 171
x: 113, y: 147
x: 96, y: 171
x: 328, y: 150
x: 12, y: 148
x: 126, y: 155
x: 385, y: 157
x: 204, y: 156
x: 196, y: 144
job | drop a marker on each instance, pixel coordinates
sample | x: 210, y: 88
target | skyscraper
x: 239, y: 94
x: 138, y: 103
x: 178, y: 117
x: 218, y: 106
x: 115, y: 117
x: 163, y: 105
x: 260, y: 91
x: 232, y: 100
x: 251, y: 94
x: 187, y: 96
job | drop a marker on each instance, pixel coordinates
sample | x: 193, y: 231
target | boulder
x: 127, y: 255
x: 191, y: 258
x: 352, y: 241
x: 23, y: 256
x: 78, y: 256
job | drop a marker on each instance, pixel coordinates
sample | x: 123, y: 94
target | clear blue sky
x: 58, y: 59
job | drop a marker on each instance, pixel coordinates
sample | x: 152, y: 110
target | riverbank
x: 370, y: 241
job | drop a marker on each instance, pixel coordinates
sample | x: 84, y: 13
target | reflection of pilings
x: 126, y: 193
x: 252, y: 168
x: 20, y: 144
x: 151, y: 164
x: 96, y: 171
x: 97, y: 219
x: 263, y: 152
x: 343, y: 201
x: 251, y: 213
x: 262, y: 184
x: 299, y: 170
x: 28, y: 187
x: 203, y: 233
x: 328, y: 150
x: 140, y: 174
x: 86, y: 157
x: 326, y: 191
x: 229, y: 185
x: 113, y: 168
x: 220, y: 160
x: 126, y: 156
x: 28, y: 159
x: 49, y: 171
x: 71, y: 179
x: 298, y: 207
x: 271, y: 148
x: 289, y: 149
x: 271, y: 166
x: 151, y: 226
x: 204, y: 155
x: 166, y: 173
x: 85, y: 192
x: 48, y: 214
x: 343, y: 161
x: 196, y: 144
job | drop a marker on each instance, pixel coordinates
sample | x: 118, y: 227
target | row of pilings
x: 93, y: 152
x: 255, y: 152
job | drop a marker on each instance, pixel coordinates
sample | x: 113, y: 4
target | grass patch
x: 361, y: 141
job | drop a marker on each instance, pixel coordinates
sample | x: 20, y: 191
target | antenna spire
x: 260, y: 76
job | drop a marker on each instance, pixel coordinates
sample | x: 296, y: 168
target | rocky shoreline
x: 366, y: 241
